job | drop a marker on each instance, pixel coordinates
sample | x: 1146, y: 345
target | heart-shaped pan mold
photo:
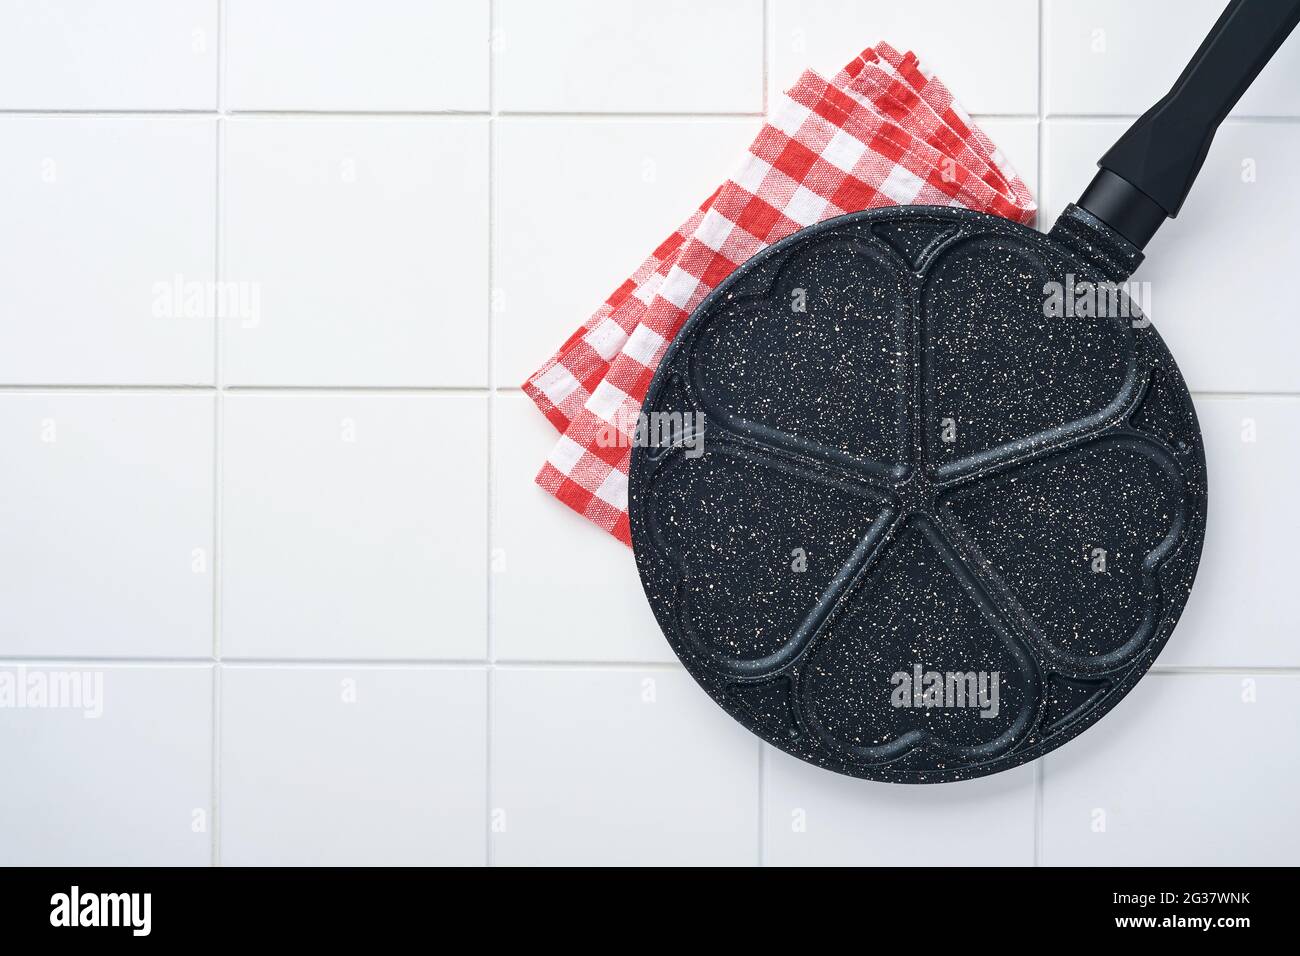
x: 916, y: 479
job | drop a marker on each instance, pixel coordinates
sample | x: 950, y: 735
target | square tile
x: 1099, y: 57
x: 339, y: 55
x: 561, y: 247
x: 106, y: 218
x: 339, y: 766
x: 366, y: 240
x: 70, y: 55
x: 1244, y: 606
x: 813, y: 817
x: 986, y: 53
x: 119, y: 773
x: 1211, y: 298
x: 599, y: 57
x: 618, y: 767
x: 1189, y: 770
x: 354, y: 526
x: 107, y: 529
x: 562, y: 589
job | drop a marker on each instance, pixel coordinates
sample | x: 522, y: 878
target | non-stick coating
x: 910, y: 469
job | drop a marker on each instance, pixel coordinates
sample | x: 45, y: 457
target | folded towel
x: 883, y: 132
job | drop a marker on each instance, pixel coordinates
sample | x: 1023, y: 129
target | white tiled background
x: 335, y: 620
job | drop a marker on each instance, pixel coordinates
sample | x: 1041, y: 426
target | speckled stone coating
x: 910, y: 469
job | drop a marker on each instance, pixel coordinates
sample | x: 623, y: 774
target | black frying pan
x: 948, y: 514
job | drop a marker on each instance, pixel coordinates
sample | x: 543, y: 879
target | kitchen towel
x: 884, y: 131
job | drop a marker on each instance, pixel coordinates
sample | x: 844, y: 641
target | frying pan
x: 952, y: 494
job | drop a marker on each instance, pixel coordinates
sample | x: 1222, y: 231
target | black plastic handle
x: 1147, y: 174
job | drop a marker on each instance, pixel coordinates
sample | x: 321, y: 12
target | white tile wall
x: 105, y: 219
x: 366, y: 240
x: 353, y: 526
x: 120, y: 777
x: 592, y: 56
x: 330, y: 55
x: 1190, y: 769
x: 812, y: 817
x: 1117, y: 56
x: 106, y: 531
x: 294, y: 527
x: 1244, y: 608
x: 603, y: 766
x: 353, y: 766
x: 74, y: 55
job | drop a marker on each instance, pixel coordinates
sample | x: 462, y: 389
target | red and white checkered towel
x: 883, y: 132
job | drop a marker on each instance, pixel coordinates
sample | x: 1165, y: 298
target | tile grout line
x: 1234, y: 119
x: 618, y: 116
x: 762, y: 800
x: 64, y: 387
x: 218, y: 449
x: 445, y: 390
x: 358, y: 389
x: 490, y: 477
x: 1039, y: 775
x: 468, y: 663
x: 768, y: 57
x: 424, y: 115
x: 1040, y: 120
x: 145, y: 113
x: 257, y: 389
x: 1039, y: 125
x: 380, y: 663
x: 476, y: 390
x: 1263, y: 119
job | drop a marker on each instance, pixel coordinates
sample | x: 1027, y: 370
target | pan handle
x: 1147, y: 174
